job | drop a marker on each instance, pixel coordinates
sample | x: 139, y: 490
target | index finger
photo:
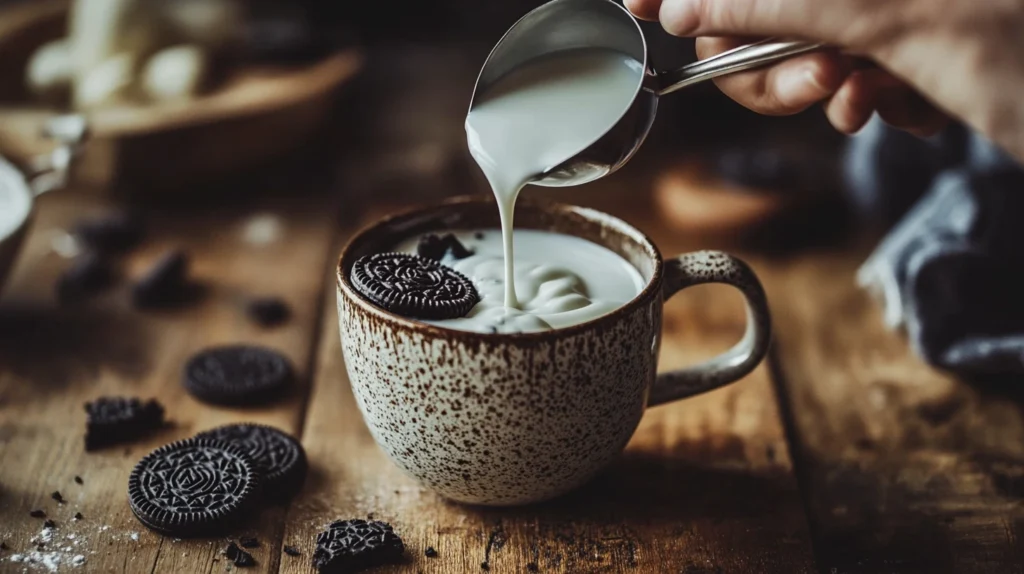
x: 644, y: 9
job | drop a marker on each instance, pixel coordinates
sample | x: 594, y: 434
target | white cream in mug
x: 541, y: 114
x: 560, y: 281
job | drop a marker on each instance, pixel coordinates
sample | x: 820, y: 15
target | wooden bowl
x: 255, y: 114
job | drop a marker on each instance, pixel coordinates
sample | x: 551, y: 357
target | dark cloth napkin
x: 951, y: 271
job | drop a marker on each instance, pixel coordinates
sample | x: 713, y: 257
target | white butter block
x: 49, y: 69
x: 209, y: 23
x: 175, y: 73
x: 106, y: 81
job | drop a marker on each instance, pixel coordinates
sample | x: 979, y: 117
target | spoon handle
x: 738, y: 59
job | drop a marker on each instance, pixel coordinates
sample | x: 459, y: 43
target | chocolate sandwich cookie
x: 114, y: 420
x: 111, y: 233
x: 279, y: 457
x: 193, y: 487
x: 87, y: 275
x: 352, y: 545
x: 268, y: 311
x: 165, y: 283
x: 237, y: 375
x: 438, y: 247
x: 414, y: 286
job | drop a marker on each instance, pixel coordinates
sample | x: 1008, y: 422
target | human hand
x: 934, y: 58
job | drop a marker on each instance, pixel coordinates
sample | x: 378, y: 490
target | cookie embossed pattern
x: 193, y: 487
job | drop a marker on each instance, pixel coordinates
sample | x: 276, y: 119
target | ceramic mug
x: 505, y: 419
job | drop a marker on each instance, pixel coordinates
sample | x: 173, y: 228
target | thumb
x: 823, y: 20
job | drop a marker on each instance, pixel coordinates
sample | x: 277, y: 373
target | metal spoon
x: 563, y: 25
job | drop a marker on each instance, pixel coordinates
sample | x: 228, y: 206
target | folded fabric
x: 951, y: 272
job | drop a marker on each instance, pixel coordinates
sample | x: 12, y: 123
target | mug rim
x: 651, y: 288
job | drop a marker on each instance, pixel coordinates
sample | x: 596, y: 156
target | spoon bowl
x: 563, y: 25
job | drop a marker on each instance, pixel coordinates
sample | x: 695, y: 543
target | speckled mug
x: 505, y: 419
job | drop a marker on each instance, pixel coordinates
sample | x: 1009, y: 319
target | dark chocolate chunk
x: 456, y: 248
x: 479, y: 235
x: 532, y: 567
x: 292, y: 551
x: 56, y: 495
x: 431, y: 247
x: 4, y: 546
x: 78, y: 479
x: 78, y: 516
x: 485, y: 566
x: 237, y: 375
x: 37, y: 514
x: 268, y: 311
x: 165, y: 283
x: 115, y: 420
x: 193, y: 487
x: 232, y: 551
x: 279, y: 456
x: 438, y: 247
x: 49, y: 523
x: 430, y: 552
x: 249, y: 541
x: 87, y: 275
x: 244, y: 559
x: 414, y: 286
x: 111, y: 233
x: 352, y: 545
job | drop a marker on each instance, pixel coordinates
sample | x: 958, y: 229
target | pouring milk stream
x: 539, y: 115
x: 561, y: 79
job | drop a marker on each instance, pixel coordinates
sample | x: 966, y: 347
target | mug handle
x: 716, y: 267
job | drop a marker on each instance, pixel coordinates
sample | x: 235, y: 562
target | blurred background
x: 198, y: 98
x: 203, y: 160
x: 207, y: 107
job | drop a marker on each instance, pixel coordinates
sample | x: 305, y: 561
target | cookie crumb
x: 244, y: 559
x: 268, y: 311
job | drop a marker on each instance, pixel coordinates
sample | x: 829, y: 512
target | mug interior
x: 482, y: 213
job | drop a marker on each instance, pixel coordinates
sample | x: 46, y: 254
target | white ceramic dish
x: 16, y: 207
x: 18, y: 191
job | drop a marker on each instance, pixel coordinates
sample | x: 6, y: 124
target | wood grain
x: 703, y: 487
x: 904, y: 469
x: 53, y: 359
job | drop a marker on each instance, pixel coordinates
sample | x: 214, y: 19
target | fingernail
x: 798, y: 87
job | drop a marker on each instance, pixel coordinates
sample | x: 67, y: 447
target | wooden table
x: 847, y: 455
